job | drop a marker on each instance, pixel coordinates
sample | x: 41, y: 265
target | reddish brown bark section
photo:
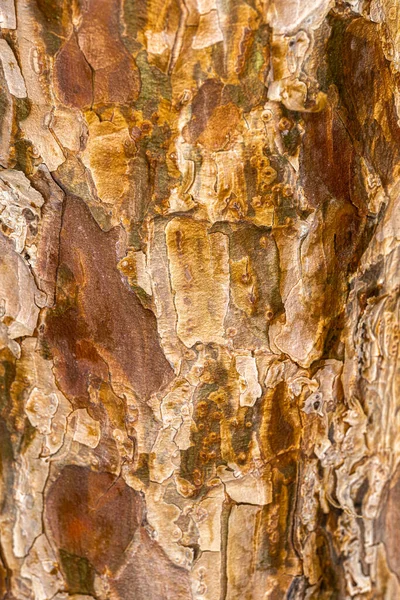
x: 99, y: 323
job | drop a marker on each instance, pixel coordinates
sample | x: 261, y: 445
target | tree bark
x: 199, y: 299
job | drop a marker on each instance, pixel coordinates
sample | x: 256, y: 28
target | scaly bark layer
x: 199, y: 299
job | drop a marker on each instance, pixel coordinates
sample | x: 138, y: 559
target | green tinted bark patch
x: 78, y: 572
x: 155, y: 85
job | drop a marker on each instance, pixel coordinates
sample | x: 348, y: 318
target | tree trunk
x: 199, y: 299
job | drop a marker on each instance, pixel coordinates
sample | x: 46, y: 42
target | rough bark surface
x: 199, y: 299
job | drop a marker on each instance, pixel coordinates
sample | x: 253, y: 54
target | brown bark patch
x: 97, y: 319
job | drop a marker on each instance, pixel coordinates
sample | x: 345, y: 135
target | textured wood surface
x: 199, y: 299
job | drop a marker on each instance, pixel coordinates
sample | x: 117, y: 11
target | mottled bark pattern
x: 199, y: 299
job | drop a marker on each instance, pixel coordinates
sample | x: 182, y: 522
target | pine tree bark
x: 199, y: 299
